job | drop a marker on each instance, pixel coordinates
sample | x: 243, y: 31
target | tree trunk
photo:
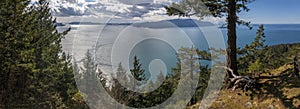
x: 231, y: 55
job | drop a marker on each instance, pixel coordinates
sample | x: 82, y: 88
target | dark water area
x: 153, y: 48
x: 275, y: 34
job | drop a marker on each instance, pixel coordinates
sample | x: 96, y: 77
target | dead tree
x: 296, y: 67
x: 243, y: 82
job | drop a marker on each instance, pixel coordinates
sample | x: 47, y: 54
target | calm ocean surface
x: 275, y: 34
x: 90, y: 36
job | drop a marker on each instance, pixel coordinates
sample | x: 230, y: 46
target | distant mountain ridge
x: 174, y: 23
x: 159, y: 24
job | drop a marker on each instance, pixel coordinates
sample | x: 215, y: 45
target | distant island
x: 172, y: 23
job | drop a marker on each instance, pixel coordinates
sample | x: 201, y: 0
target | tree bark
x: 231, y: 56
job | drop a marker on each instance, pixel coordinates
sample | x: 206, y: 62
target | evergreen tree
x: 90, y: 83
x: 202, y: 83
x: 252, y: 57
x: 189, y: 60
x: 257, y: 44
x: 121, y: 74
x: 167, y: 86
x: 90, y: 78
x: 16, y: 58
x: 137, y: 71
x: 34, y: 73
x: 148, y: 98
x: 190, y: 65
x: 118, y: 91
x: 54, y: 81
x: 218, y: 8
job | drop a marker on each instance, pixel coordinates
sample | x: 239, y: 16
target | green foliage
x: 168, y: 83
x: 189, y: 60
x: 137, y: 71
x: 141, y: 100
x: 216, y: 8
x: 192, y: 55
x: 204, y: 8
x: 34, y: 71
x: 278, y: 55
x: 90, y: 77
x: 256, y: 68
x: 257, y: 57
x: 117, y: 91
x: 254, y: 55
x: 16, y: 56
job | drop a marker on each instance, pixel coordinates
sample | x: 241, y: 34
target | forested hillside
x: 35, y: 72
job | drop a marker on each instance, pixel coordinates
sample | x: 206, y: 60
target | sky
x: 273, y: 12
x: 261, y: 11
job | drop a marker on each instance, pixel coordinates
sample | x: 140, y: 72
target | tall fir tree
x: 118, y: 91
x: 217, y: 8
x: 90, y: 82
x: 137, y: 71
x: 16, y: 52
x: 253, y: 56
x: 55, y: 72
x: 139, y: 77
x: 190, y: 65
x: 35, y: 73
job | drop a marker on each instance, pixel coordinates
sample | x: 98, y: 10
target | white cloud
x: 215, y: 20
x: 150, y: 10
x: 134, y: 2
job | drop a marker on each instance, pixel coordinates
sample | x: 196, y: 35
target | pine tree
x: 254, y: 55
x: 258, y: 43
x: 202, y: 83
x: 90, y: 81
x: 137, y: 71
x: 162, y: 91
x: 218, y: 8
x: 118, y: 91
x: 16, y: 54
x: 35, y: 73
x: 138, y: 74
x: 121, y: 74
x: 189, y: 60
x: 190, y: 65
x: 54, y: 80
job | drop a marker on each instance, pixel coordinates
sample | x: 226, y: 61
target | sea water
x: 102, y: 39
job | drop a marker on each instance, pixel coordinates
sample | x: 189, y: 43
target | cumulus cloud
x: 126, y: 9
x: 135, y: 2
x: 215, y: 20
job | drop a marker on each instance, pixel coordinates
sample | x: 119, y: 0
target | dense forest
x: 36, y: 73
